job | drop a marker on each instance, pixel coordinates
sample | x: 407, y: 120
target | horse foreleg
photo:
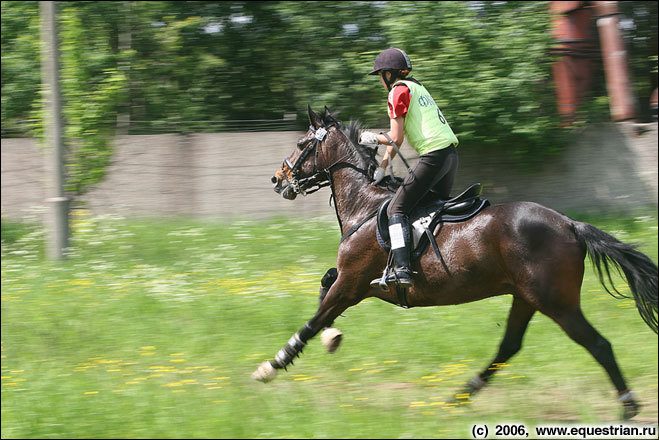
x: 332, y: 305
x: 268, y: 369
x: 518, y: 320
x: 331, y: 337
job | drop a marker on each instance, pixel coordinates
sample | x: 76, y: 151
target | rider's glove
x: 378, y: 176
x: 368, y: 138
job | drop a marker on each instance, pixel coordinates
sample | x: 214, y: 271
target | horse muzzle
x: 289, y: 193
x: 284, y: 188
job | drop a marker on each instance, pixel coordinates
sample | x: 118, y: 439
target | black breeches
x: 435, y: 171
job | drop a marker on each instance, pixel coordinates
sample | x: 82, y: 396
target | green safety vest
x: 425, y: 127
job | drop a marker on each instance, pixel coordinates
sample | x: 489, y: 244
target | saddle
x: 425, y: 218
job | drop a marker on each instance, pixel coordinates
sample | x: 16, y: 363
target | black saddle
x: 425, y: 218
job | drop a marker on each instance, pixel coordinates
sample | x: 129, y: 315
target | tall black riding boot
x: 401, y: 239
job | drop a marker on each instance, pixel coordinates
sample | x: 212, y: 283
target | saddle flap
x: 459, y: 208
x: 383, y: 221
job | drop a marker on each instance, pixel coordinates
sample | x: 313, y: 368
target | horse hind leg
x: 582, y: 332
x: 518, y: 320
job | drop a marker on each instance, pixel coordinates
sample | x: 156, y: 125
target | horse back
x: 497, y: 251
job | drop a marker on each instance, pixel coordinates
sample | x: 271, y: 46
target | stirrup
x: 381, y: 282
x: 404, y: 281
x: 393, y: 279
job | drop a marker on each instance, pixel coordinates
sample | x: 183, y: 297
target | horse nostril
x: 273, y: 179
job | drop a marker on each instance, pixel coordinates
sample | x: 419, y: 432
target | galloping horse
x: 521, y: 248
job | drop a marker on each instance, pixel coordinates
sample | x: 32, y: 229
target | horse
x: 521, y: 248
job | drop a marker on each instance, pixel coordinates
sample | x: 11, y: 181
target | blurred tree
x: 640, y: 28
x: 486, y: 64
x: 248, y: 60
x: 91, y: 85
x: 330, y: 49
x: 21, y: 74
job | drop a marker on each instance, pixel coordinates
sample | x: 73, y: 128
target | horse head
x: 316, y: 152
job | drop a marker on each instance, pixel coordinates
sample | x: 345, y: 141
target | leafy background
x: 185, y: 66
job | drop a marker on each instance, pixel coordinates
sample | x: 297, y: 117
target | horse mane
x: 365, y: 155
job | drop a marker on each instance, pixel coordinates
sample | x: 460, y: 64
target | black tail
x: 640, y: 271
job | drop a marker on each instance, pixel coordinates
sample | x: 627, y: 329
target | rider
x: 413, y: 113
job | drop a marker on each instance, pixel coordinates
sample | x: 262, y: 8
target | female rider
x: 413, y: 114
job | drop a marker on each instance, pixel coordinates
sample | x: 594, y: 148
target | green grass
x: 152, y: 329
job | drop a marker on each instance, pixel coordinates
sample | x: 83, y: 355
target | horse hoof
x: 630, y: 409
x: 265, y: 373
x: 474, y: 385
x: 331, y: 338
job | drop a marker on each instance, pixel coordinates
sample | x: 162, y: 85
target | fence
x: 609, y: 167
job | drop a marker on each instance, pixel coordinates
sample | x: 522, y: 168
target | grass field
x: 151, y: 329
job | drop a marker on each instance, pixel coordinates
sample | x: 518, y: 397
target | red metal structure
x: 574, y: 31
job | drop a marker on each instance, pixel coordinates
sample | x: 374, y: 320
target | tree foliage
x: 92, y: 86
x: 162, y: 64
x: 640, y: 29
x: 21, y: 74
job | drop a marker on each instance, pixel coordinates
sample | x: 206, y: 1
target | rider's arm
x: 397, y: 134
x: 398, y: 104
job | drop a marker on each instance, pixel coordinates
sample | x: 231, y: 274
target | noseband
x: 297, y: 185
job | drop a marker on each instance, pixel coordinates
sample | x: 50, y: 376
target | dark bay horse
x: 522, y: 248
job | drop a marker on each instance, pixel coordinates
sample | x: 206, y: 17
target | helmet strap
x: 389, y: 82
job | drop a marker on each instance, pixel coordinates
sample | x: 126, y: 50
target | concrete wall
x: 23, y: 187
x: 610, y: 167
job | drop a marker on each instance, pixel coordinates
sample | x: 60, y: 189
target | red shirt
x: 399, y: 101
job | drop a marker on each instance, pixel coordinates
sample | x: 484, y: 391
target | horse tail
x: 640, y: 271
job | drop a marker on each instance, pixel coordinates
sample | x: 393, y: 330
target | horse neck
x: 355, y: 197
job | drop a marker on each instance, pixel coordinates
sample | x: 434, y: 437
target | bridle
x: 301, y: 186
x: 319, y: 178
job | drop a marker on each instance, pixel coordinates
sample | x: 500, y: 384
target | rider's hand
x: 368, y: 138
x: 378, y: 175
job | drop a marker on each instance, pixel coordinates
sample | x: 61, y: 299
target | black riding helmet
x: 393, y: 60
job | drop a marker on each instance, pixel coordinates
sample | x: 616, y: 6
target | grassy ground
x: 152, y: 329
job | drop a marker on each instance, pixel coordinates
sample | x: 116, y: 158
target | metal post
x: 622, y: 104
x: 57, y: 218
x: 575, y: 50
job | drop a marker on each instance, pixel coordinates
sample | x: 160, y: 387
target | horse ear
x: 313, y: 118
x: 331, y: 117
